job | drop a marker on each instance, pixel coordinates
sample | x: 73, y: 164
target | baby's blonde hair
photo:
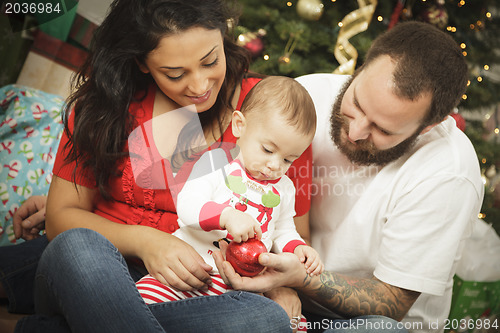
x: 285, y: 95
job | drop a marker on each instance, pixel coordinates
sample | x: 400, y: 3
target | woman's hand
x: 283, y: 270
x: 289, y: 301
x: 173, y: 262
x: 29, y: 219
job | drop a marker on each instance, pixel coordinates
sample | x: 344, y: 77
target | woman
x: 149, y: 58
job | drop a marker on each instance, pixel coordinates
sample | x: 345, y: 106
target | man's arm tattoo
x: 352, y: 297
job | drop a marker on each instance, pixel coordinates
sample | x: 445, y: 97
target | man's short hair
x: 427, y: 61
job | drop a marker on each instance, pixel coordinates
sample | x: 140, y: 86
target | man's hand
x: 283, y: 270
x: 344, y: 295
x: 29, y: 219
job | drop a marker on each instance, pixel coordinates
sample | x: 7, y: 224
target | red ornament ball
x: 459, y: 120
x: 244, y: 256
x: 255, y: 46
x: 252, y: 42
x: 436, y: 15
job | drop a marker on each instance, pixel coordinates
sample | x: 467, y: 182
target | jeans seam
x: 126, y: 271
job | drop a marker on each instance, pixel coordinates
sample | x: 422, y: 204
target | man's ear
x: 238, y: 123
x: 428, y: 128
x: 142, y: 67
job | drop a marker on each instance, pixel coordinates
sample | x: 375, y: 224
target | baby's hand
x: 241, y: 226
x: 310, y: 258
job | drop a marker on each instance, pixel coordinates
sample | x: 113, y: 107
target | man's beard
x: 363, y: 152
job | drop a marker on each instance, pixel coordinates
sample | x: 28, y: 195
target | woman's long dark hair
x: 110, y: 78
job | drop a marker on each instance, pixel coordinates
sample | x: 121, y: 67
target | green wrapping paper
x: 59, y: 25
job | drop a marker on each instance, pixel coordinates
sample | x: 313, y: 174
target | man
x: 396, y: 186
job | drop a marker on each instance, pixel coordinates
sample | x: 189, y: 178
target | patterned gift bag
x: 30, y: 129
x: 476, y: 307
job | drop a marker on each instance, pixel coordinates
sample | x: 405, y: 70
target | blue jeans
x: 18, y: 264
x: 83, y: 284
x: 96, y: 293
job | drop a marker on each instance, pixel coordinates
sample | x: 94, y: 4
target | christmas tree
x: 298, y: 37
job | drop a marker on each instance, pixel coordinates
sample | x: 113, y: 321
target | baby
x: 251, y: 196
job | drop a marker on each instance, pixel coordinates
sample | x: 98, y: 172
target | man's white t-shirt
x: 404, y: 223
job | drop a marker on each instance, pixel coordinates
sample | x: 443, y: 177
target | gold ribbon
x: 352, y: 24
